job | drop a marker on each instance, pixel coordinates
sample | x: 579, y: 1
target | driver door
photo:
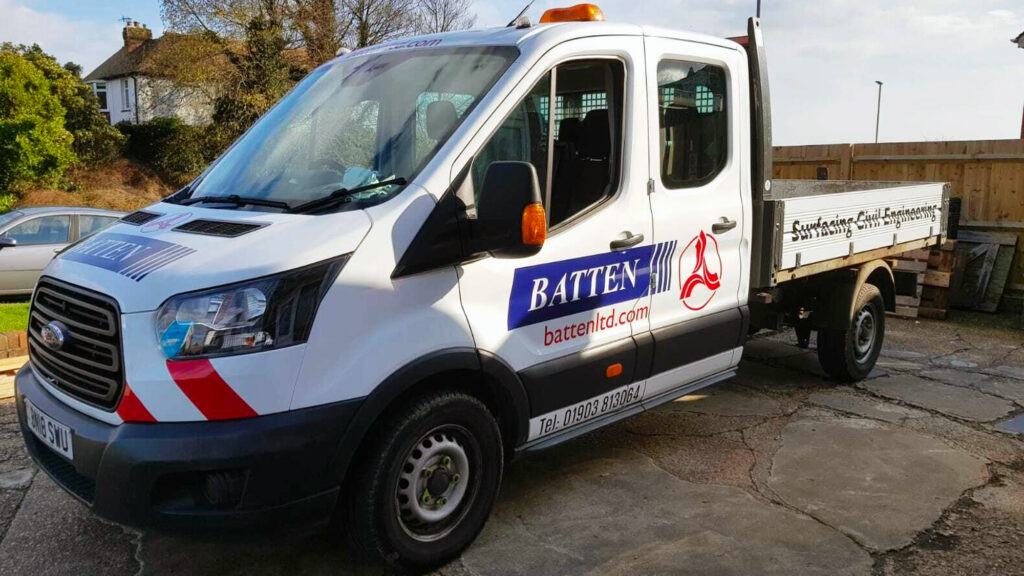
x: 565, y: 318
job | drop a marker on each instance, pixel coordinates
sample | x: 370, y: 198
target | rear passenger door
x: 564, y: 319
x: 696, y: 104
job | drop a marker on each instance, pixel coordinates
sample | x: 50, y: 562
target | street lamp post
x: 1019, y: 41
x: 878, y: 113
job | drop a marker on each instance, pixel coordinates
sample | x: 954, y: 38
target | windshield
x: 355, y: 122
x: 9, y: 217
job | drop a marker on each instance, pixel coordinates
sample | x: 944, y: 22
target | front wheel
x: 849, y: 355
x: 428, y: 483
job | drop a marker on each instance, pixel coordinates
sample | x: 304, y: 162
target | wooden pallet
x: 922, y: 281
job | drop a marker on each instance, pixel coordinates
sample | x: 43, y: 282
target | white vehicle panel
x: 368, y: 325
x: 110, y: 261
x: 487, y: 285
x: 822, y: 227
x: 145, y: 370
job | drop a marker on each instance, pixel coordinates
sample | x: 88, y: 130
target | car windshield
x: 360, y: 120
x: 9, y: 217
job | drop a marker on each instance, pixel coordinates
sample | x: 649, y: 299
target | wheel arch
x: 476, y: 372
x: 838, y: 292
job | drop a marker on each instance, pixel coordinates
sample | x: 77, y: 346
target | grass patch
x: 13, y: 316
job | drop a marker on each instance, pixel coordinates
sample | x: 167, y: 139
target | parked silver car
x: 30, y: 237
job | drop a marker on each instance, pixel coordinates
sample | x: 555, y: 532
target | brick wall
x: 13, y: 344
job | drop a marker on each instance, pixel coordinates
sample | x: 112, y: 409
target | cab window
x: 693, y: 122
x: 577, y: 156
x: 42, y: 230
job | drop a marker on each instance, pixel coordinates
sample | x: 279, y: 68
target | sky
x: 949, y: 68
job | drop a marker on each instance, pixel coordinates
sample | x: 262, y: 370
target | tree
x: 444, y: 16
x: 374, y: 21
x: 263, y: 76
x: 320, y: 26
x: 34, y: 146
x: 95, y: 140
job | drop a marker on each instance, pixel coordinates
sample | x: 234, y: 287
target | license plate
x: 52, y: 433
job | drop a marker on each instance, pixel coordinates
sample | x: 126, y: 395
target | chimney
x: 135, y: 36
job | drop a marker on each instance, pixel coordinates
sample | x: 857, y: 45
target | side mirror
x: 6, y: 242
x: 511, y: 222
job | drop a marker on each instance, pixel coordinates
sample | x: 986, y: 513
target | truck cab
x: 432, y: 255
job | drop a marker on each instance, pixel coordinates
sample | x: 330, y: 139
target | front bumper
x: 157, y: 475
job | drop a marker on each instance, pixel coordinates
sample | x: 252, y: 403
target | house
x: 131, y: 89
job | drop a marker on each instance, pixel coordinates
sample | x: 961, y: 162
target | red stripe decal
x: 131, y: 408
x: 208, y: 391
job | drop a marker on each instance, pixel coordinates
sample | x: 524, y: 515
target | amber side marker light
x: 535, y: 225
x: 613, y: 371
x: 577, y: 13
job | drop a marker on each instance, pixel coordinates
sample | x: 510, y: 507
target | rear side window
x: 42, y: 230
x: 89, y: 224
x: 693, y: 121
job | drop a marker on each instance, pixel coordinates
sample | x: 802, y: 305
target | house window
x: 125, y: 101
x: 100, y: 90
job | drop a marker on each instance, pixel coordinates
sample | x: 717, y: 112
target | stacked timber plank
x: 922, y: 281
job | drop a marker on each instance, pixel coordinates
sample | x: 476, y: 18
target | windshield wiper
x: 342, y: 195
x: 236, y: 200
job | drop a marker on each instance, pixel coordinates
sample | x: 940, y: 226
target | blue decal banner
x: 131, y: 256
x: 556, y: 289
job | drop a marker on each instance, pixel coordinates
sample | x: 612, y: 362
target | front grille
x: 139, y: 218
x: 217, y: 228
x: 88, y: 365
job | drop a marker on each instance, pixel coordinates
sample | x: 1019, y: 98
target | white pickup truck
x: 435, y: 254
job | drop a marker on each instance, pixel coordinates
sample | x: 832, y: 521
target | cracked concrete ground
x: 778, y: 471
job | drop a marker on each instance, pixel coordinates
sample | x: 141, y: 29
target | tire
x: 849, y: 355
x: 446, y: 447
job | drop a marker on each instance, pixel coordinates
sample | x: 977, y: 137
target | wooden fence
x: 987, y: 174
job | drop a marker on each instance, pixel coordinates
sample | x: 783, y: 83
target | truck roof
x: 541, y: 35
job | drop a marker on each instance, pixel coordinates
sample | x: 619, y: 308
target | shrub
x: 34, y: 146
x: 95, y: 140
x: 7, y: 202
x: 175, y: 149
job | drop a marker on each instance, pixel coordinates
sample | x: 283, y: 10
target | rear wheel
x: 849, y: 355
x: 428, y: 483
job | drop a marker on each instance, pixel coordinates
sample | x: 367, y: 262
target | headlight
x: 262, y: 314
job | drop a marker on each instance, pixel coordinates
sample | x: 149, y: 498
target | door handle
x: 724, y: 226
x: 627, y: 241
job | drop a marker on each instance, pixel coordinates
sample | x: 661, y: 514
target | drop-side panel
x: 821, y: 227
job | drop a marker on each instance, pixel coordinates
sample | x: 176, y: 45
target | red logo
x: 700, y: 271
x: 161, y: 224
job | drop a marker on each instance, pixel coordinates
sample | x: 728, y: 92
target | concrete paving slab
x: 1004, y: 388
x: 766, y: 349
x: 728, y: 400
x: 284, y: 554
x: 1007, y: 371
x: 954, y: 377
x: 774, y: 379
x: 17, y: 479
x: 879, y: 484
x: 903, y: 354
x: 576, y: 511
x: 952, y: 400
x: 54, y: 534
x: 899, y: 365
x: 845, y: 400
